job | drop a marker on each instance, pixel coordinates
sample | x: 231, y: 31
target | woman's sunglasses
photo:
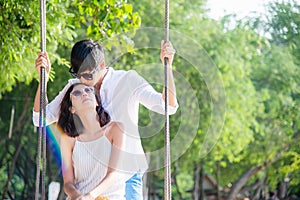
x: 86, y: 76
x: 77, y: 93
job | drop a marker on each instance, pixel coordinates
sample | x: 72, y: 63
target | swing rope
x: 167, y: 172
x: 42, y: 119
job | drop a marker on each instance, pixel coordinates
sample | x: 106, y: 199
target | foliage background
x: 258, y: 60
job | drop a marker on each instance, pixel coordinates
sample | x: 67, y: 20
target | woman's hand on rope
x: 43, y: 61
x: 167, y: 51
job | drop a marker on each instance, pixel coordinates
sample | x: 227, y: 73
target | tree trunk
x: 257, y: 195
x: 218, y: 179
x: 196, y: 189
x: 21, y: 121
x: 176, y: 183
x: 201, y: 196
x: 237, y: 186
x: 251, y: 187
x: 11, y: 171
x: 149, y: 184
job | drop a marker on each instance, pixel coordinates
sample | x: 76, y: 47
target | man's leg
x: 134, y: 187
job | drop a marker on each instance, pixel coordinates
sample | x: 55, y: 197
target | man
x: 120, y: 93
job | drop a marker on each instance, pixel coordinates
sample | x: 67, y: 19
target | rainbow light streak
x: 53, y: 133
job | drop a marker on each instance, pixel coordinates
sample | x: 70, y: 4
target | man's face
x: 90, y: 78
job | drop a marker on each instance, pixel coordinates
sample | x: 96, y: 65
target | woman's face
x: 83, y: 98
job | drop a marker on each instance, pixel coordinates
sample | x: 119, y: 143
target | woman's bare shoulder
x: 115, y: 128
x: 67, y: 140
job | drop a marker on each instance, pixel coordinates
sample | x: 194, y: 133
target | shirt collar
x: 108, y: 75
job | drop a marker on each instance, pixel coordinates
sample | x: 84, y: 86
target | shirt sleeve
x: 52, y: 109
x: 147, y: 96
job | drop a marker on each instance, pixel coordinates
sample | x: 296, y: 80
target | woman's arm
x: 116, y: 136
x: 167, y: 51
x: 67, y: 145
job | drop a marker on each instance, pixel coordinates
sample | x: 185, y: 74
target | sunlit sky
x: 242, y: 8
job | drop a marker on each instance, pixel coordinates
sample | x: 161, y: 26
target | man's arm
x: 41, y: 62
x: 167, y: 51
x: 137, y: 87
x: 52, y: 109
x: 145, y: 93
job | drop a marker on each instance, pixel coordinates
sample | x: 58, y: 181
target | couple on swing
x: 102, y: 154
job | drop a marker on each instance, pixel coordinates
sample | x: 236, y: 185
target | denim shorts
x: 134, y: 187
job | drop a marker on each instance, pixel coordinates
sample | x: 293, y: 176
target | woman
x: 90, y: 147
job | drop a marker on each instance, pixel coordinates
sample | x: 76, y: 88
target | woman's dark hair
x: 85, y: 55
x: 71, y: 123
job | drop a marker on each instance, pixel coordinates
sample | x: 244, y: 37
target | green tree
x: 260, y: 99
x: 66, y: 21
x: 283, y: 24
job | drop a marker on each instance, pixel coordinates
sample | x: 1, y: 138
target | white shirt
x: 121, y: 93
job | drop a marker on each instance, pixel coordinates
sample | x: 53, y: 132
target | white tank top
x: 90, y: 161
